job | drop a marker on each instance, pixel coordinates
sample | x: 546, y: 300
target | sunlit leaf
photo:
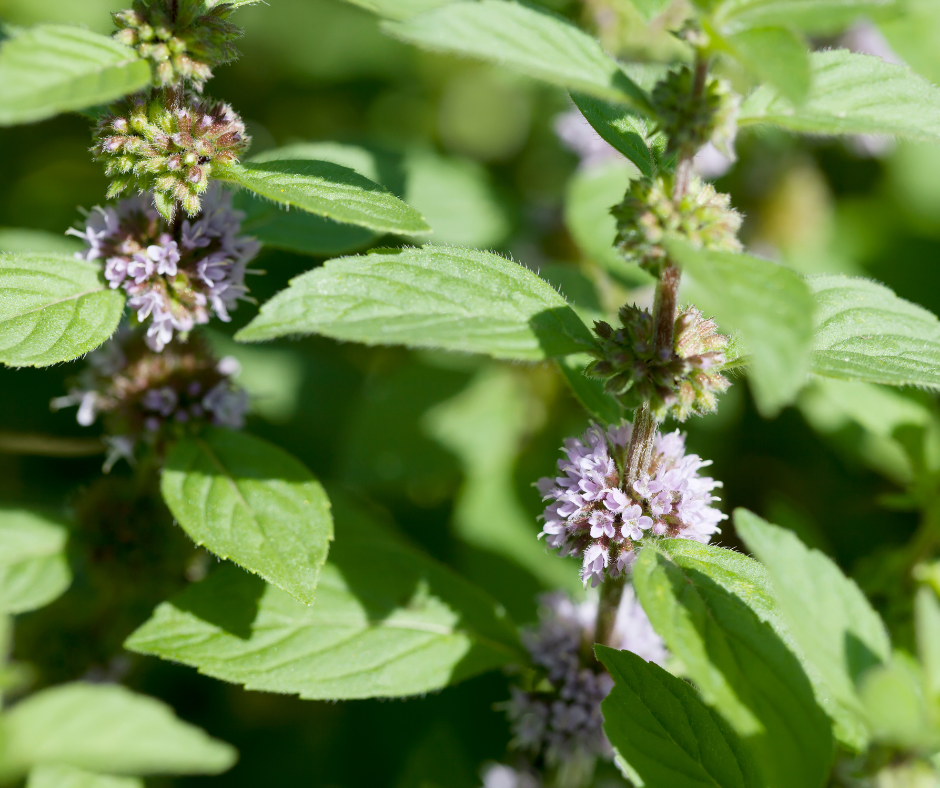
x: 777, y: 56
x: 33, y: 567
x: 70, y: 777
x: 813, y: 16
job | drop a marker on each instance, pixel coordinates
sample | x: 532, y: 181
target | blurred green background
x: 450, y: 445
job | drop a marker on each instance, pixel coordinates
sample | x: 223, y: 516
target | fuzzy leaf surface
x: 768, y: 304
x: 49, y: 69
x: 865, y: 332
x: 327, y: 189
x: 70, y: 777
x: 106, y: 728
x: 812, y: 16
x: 835, y: 627
x: 853, y: 94
x: 626, y: 131
x: 669, y: 738
x: 433, y: 297
x: 777, y: 56
x: 388, y: 621
x: 33, y: 567
x: 251, y: 502
x: 53, y: 308
x: 524, y: 39
x: 715, y: 610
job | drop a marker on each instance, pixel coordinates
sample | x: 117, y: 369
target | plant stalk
x: 611, y: 594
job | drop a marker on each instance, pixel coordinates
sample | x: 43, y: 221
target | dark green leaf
x: 387, y: 622
x: 838, y: 633
x: 713, y: 608
x: 853, y: 94
x: 53, y: 308
x: 777, y: 56
x: 249, y: 501
x: 330, y: 190
x: 50, y: 69
x: 33, y: 567
x: 525, y: 39
x: 768, y: 304
x: 589, y: 391
x: 865, y: 332
x: 436, y: 297
x: 624, y: 130
x: 660, y: 728
x: 105, y: 727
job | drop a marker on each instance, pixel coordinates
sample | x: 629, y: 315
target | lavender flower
x: 566, y: 722
x: 176, y: 278
x: 148, y: 397
x: 595, y: 515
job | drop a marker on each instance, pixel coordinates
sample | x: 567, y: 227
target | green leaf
x: 399, y: 9
x: 251, y: 502
x: 899, y: 711
x: 70, y: 777
x: 812, y: 16
x: 838, y: 633
x: 53, y: 308
x: 16, y: 239
x: 659, y: 726
x: 853, y: 94
x: 768, y: 304
x: 865, y: 332
x: 50, y: 69
x: 927, y: 623
x: 433, y: 297
x: 626, y: 131
x: 714, y: 610
x: 589, y: 391
x: 777, y: 56
x: 33, y: 567
x: 329, y: 190
x: 387, y: 622
x: 106, y: 728
x: 531, y: 41
x: 590, y: 195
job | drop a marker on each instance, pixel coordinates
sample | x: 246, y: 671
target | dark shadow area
x: 227, y: 599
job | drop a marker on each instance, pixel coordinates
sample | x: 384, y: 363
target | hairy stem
x: 640, y: 451
x: 611, y: 594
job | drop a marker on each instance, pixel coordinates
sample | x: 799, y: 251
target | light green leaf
x: 838, y: 633
x: 768, y: 304
x: 249, y: 501
x: 531, y: 41
x: 53, y: 308
x: 813, y: 16
x: 650, y: 9
x: 927, y: 624
x: 626, y: 131
x: 589, y: 391
x: 865, y: 332
x: 899, y: 711
x: 660, y: 727
x: 16, y: 239
x: 387, y: 622
x: 33, y: 567
x: 590, y: 195
x: 70, y: 777
x: 399, y: 9
x: 329, y: 190
x: 433, y: 297
x: 777, y: 56
x: 853, y: 94
x: 50, y: 69
x: 714, y: 610
x: 106, y: 728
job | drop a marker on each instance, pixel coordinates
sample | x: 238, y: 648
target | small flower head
x: 175, y: 277
x: 169, y: 151
x: 182, y: 40
x: 593, y: 514
x: 565, y: 722
x: 149, y: 397
x: 689, y: 120
x: 648, y: 214
x: 677, y: 384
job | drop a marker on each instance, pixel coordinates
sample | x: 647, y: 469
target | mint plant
x: 690, y: 642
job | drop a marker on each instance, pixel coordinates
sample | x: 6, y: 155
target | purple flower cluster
x: 595, y: 515
x: 567, y: 723
x: 177, y: 278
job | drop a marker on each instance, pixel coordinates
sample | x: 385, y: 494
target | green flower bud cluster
x: 168, y: 150
x: 676, y: 383
x: 648, y: 214
x: 688, y: 119
x: 181, y: 39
